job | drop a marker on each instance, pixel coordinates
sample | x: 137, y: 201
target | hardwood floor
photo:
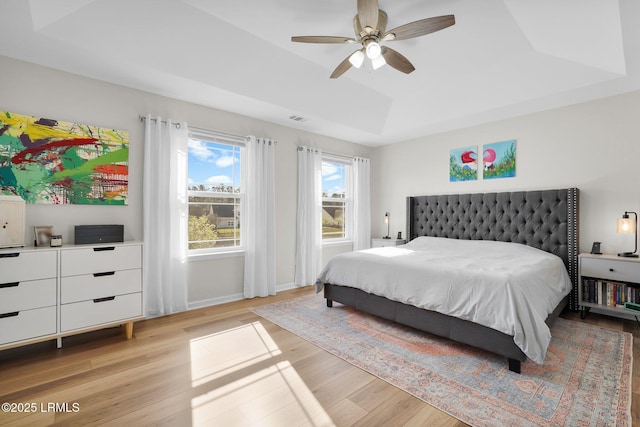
x: 261, y: 375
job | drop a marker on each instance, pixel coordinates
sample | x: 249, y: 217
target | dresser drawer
x: 75, y: 262
x: 28, y: 324
x: 28, y: 266
x: 84, y: 314
x: 27, y: 295
x: 622, y: 271
x: 92, y: 286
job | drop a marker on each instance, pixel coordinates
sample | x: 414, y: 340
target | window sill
x: 216, y: 255
x: 337, y: 242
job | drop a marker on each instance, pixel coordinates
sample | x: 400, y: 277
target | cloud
x: 200, y: 150
x: 332, y: 178
x: 219, y: 179
x: 328, y: 169
x: 225, y: 161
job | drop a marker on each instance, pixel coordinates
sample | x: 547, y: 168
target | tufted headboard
x: 545, y: 219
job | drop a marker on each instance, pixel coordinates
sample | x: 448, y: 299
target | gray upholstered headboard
x: 545, y: 219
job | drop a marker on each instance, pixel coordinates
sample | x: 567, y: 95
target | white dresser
x: 48, y: 293
x: 28, y: 294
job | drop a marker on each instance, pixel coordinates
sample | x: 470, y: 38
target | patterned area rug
x: 584, y: 381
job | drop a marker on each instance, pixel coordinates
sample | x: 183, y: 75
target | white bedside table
x: 606, y: 282
x: 379, y: 243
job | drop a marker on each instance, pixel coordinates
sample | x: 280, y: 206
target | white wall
x: 39, y: 91
x: 594, y: 146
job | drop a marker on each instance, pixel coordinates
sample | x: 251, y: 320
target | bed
x: 545, y: 220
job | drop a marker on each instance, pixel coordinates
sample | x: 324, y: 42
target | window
x: 215, y: 194
x: 335, y: 199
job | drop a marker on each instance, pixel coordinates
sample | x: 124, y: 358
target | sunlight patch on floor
x: 272, y: 396
x: 220, y: 354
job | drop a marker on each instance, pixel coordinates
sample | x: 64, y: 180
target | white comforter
x: 505, y: 286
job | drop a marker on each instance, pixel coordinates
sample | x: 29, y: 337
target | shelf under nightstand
x: 602, y: 275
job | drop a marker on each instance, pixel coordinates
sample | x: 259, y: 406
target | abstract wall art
x: 463, y: 164
x: 56, y: 162
x: 499, y: 160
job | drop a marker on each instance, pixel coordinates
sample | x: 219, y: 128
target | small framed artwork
x: 463, y: 164
x: 43, y: 235
x: 499, y: 160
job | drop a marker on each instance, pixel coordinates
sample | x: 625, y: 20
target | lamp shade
x: 357, y: 58
x: 378, y: 62
x: 626, y: 225
x: 373, y: 50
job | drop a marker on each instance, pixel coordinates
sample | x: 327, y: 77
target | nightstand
x: 380, y: 243
x: 606, y: 282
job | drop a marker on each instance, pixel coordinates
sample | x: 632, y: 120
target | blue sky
x: 333, y: 177
x: 213, y: 164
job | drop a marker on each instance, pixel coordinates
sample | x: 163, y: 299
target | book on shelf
x: 609, y: 293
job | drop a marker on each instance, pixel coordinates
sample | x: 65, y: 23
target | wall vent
x: 297, y: 118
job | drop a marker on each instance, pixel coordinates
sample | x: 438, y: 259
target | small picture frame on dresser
x: 43, y: 235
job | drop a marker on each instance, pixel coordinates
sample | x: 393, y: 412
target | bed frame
x: 546, y: 219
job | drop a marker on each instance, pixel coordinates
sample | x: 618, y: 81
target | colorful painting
x: 499, y: 160
x: 463, y: 164
x: 55, y: 162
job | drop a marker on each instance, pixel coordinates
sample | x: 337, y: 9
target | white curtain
x: 361, y: 217
x: 259, y: 219
x: 309, y: 221
x: 165, y: 212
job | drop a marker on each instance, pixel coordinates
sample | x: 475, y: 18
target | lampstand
x: 626, y: 225
x: 386, y: 221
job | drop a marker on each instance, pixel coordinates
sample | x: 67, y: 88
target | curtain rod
x: 213, y: 133
x: 324, y: 153
x: 153, y: 119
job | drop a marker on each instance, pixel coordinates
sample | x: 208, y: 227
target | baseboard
x: 285, y: 287
x: 231, y: 298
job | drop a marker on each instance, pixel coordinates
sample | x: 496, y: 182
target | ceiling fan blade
x: 397, y: 60
x: 341, y: 68
x: 368, y: 13
x: 420, y: 28
x: 322, y: 39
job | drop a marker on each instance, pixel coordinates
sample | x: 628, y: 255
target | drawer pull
x: 611, y: 269
x: 106, y: 273
x: 105, y: 248
x: 13, y: 314
x: 97, y: 300
x: 9, y: 285
x: 10, y: 255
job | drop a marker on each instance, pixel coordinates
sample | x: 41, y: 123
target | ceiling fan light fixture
x: 370, y: 28
x: 378, y: 62
x: 373, y: 50
x: 357, y: 58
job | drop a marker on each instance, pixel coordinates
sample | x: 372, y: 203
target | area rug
x: 584, y: 381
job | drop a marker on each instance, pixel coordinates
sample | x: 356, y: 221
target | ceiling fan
x: 370, y: 27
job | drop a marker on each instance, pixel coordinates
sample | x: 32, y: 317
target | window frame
x: 232, y: 141
x: 347, y: 200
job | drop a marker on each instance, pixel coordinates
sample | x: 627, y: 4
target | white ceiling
x: 501, y: 59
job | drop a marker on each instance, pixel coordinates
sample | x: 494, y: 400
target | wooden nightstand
x: 379, y: 243
x: 606, y: 282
